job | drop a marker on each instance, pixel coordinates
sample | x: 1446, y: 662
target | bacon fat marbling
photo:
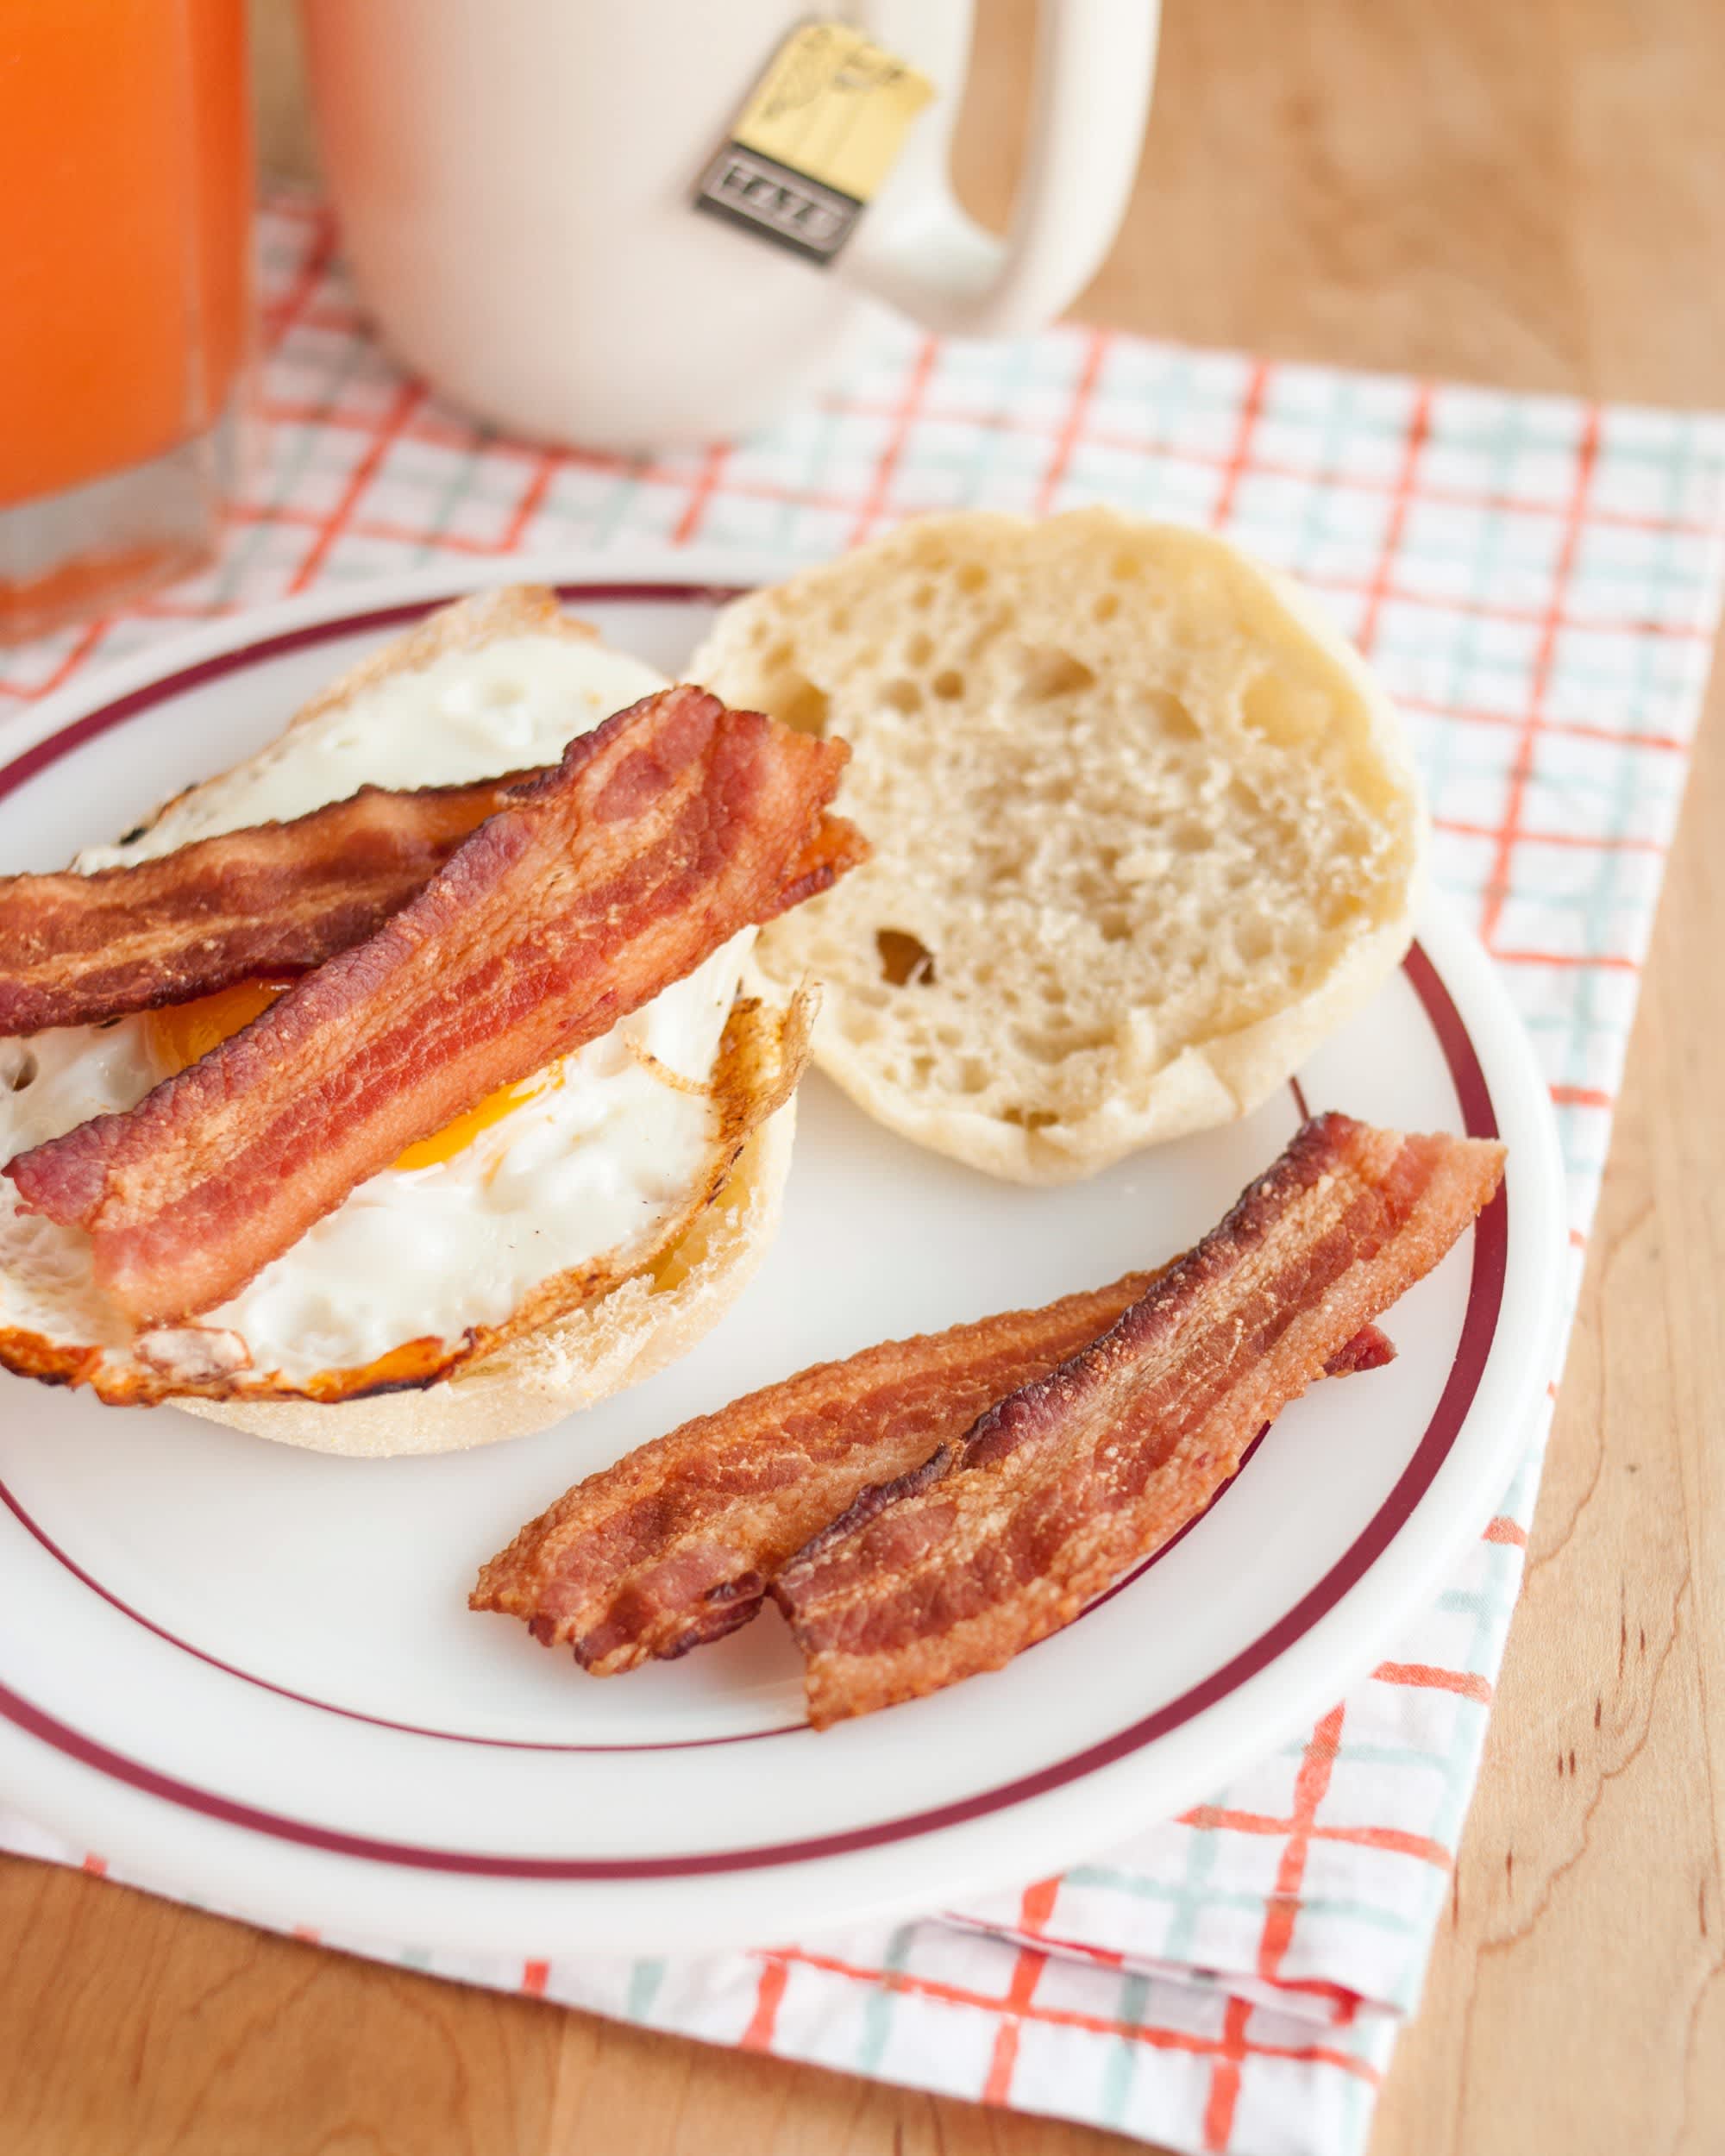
x: 1001, y: 1536
x: 662, y: 833
x: 272, y: 899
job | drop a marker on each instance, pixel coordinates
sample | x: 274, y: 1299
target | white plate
x: 248, y: 1674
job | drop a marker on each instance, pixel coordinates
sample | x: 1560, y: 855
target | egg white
x: 592, y: 1166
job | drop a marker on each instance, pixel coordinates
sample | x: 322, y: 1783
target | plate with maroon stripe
x: 248, y: 1675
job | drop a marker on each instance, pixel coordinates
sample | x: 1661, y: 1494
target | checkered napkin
x: 1537, y: 582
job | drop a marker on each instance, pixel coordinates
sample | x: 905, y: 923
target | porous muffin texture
x: 1145, y: 829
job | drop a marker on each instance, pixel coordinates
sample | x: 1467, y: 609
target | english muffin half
x: 1146, y: 828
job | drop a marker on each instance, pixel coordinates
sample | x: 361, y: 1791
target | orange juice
x: 125, y: 176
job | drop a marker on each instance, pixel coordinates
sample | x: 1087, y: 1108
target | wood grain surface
x: 1523, y: 192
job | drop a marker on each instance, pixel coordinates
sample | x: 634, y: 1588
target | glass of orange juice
x: 126, y: 181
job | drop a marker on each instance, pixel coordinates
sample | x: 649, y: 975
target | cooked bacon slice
x: 676, y: 1544
x: 274, y: 899
x: 1369, y: 1349
x: 661, y: 834
x: 1001, y: 1536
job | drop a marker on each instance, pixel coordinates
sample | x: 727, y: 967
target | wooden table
x: 1524, y: 192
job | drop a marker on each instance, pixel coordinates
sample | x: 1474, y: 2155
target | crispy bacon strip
x: 1001, y: 1536
x: 675, y: 1544
x: 274, y: 899
x: 661, y: 834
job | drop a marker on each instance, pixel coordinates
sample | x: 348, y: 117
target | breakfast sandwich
x: 411, y: 1083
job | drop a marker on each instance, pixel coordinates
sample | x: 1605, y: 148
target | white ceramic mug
x: 515, y: 181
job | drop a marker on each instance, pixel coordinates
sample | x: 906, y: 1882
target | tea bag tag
x: 818, y: 135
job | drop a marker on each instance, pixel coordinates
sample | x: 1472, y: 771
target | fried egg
x: 582, y: 1174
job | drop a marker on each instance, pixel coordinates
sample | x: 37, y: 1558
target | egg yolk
x: 183, y: 1033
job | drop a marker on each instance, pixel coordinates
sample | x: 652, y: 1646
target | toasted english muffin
x: 1145, y: 829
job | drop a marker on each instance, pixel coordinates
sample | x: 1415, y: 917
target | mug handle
x: 1095, y: 60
